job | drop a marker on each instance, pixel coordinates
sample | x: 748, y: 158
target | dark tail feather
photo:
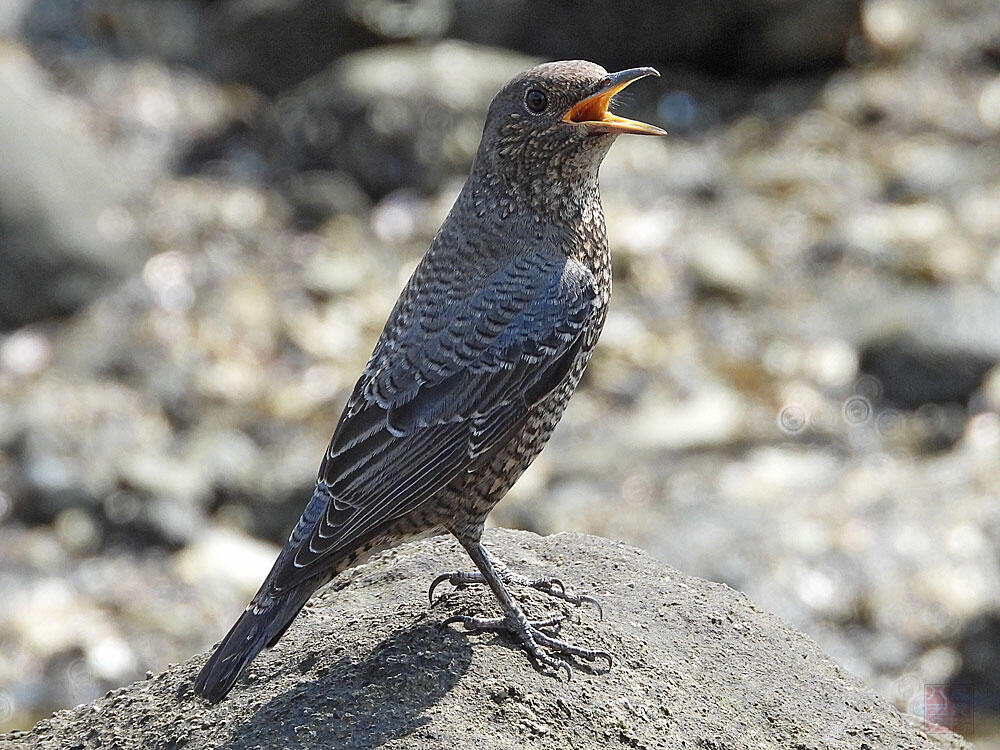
x: 253, y: 632
x: 269, y: 614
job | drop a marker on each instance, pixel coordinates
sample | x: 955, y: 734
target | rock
x: 715, y: 417
x: 367, y: 665
x: 764, y: 36
x: 275, y: 44
x: 722, y: 265
x: 134, y: 28
x: 62, y: 199
x: 223, y: 555
x: 912, y: 374
x: 391, y: 117
x: 12, y: 16
x: 980, y: 661
x: 939, y: 383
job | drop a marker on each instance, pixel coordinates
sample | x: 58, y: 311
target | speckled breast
x: 467, y: 501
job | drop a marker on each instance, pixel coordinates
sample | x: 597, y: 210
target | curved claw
x: 565, y: 665
x: 533, y: 639
x: 434, y: 584
x: 465, y: 620
x: 552, y: 662
x: 603, y: 655
x: 583, y: 598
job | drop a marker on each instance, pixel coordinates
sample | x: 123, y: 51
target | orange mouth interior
x: 592, y: 109
x: 593, y: 112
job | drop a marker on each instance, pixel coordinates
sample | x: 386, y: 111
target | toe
x: 434, y: 584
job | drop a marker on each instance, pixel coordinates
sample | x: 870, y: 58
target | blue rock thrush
x: 473, y: 370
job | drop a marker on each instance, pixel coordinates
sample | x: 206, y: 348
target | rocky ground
x: 397, y: 679
x: 796, y: 393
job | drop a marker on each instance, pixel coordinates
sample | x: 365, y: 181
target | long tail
x: 258, y: 628
x: 269, y: 614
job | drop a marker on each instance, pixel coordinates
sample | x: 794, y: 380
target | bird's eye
x: 536, y: 101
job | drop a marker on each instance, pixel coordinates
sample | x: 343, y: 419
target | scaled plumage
x: 479, y: 356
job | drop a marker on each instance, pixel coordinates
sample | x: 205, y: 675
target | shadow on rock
x: 699, y: 666
x: 362, y: 704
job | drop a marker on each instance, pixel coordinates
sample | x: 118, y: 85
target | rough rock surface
x: 368, y: 665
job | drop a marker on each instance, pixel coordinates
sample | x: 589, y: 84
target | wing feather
x: 436, y: 397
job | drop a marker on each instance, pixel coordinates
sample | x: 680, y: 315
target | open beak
x: 593, y: 111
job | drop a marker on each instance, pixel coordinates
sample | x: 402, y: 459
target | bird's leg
x: 554, y: 587
x: 514, y: 621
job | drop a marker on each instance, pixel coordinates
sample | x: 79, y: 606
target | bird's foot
x: 554, y: 587
x: 529, y: 633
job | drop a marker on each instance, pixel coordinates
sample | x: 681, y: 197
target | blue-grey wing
x: 442, y: 390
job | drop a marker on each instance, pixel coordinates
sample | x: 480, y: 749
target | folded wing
x: 445, y: 386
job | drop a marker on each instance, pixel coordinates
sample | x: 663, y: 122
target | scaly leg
x: 554, y: 587
x: 514, y: 620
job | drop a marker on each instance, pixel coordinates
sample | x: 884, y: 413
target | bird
x: 485, y: 345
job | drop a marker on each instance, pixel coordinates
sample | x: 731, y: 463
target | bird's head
x: 553, y: 120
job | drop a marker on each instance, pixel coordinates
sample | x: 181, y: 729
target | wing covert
x: 435, y: 398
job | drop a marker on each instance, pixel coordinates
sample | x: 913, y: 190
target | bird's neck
x: 562, y: 182
x: 566, y: 203
x: 559, y: 215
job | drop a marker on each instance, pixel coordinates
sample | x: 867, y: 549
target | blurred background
x: 208, y: 207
